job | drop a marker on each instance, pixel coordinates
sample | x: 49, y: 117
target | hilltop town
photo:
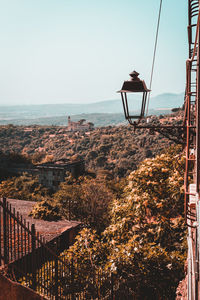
x: 118, y: 149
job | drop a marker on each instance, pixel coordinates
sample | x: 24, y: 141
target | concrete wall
x: 10, y: 290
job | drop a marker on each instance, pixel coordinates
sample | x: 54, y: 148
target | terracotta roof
x: 48, y: 229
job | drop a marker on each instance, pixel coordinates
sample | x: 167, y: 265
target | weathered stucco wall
x: 10, y: 290
x: 181, y: 293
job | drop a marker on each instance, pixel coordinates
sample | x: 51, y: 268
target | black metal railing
x: 33, y: 262
x: 26, y: 254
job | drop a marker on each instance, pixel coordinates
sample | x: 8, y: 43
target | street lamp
x: 134, y: 85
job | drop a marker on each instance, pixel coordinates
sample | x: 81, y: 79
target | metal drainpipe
x: 198, y: 150
x: 190, y: 275
x: 198, y: 240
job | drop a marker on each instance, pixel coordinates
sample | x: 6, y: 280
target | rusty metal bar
x: 21, y: 240
x: 5, y: 232
x: 198, y: 123
x: 14, y: 236
x: 33, y: 246
x: 56, y: 274
x: 18, y: 253
x: 112, y: 287
x: 10, y: 236
x: 1, y: 254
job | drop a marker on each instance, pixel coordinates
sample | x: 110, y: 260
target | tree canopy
x: 144, y: 245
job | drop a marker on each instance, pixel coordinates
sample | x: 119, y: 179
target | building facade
x: 81, y: 125
x: 52, y: 174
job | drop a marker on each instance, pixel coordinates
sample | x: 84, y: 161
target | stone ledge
x: 15, y: 291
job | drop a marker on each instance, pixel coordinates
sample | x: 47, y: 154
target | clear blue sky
x: 75, y: 51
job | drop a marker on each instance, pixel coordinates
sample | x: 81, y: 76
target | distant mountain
x: 167, y: 101
x: 32, y: 114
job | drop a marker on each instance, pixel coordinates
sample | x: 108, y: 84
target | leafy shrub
x: 24, y: 187
x: 45, y: 211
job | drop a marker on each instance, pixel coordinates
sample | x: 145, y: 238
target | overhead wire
x: 154, y: 55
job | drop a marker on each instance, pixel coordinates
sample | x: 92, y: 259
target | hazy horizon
x: 83, y: 103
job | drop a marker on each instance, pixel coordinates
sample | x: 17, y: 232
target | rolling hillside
x: 100, y: 113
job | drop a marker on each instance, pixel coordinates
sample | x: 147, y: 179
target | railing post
x: 5, y: 229
x: 72, y: 280
x: 56, y: 272
x: 69, y: 208
x: 33, y: 257
x: 112, y: 287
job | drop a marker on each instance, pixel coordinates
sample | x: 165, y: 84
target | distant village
x: 81, y: 125
x: 51, y: 174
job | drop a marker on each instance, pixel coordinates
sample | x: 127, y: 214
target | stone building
x: 52, y: 174
x: 81, y: 125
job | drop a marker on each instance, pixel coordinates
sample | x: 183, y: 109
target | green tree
x: 68, y: 199
x: 24, y: 187
x: 144, y: 246
x: 85, y: 199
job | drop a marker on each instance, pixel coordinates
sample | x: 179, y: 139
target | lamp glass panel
x: 134, y: 102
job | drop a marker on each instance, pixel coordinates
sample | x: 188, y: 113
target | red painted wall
x: 10, y: 290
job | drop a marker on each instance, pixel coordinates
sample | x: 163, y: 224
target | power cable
x: 154, y: 55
